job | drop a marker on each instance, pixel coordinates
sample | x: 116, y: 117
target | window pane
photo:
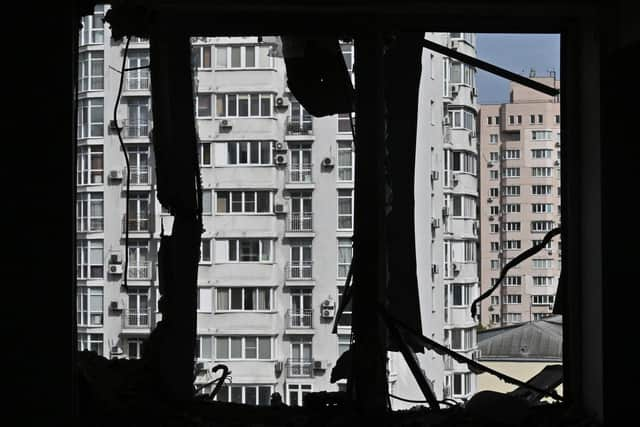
x: 255, y: 104
x: 265, y: 153
x: 236, y: 347
x: 250, y: 298
x: 222, y: 347
x: 221, y: 57
x: 231, y: 105
x: 250, y: 396
x: 250, y: 348
x: 236, y: 394
x: 251, y: 56
x: 265, y: 105
x: 235, y: 56
x: 264, y: 347
x: 236, y: 298
x: 221, y: 110
x: 243, y: 105
x: 223, y: 299
x: 222, y: 204
x: 264, y: 395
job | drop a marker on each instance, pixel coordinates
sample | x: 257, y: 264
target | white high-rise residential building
x: 520, y: 147
x: 278, y: 194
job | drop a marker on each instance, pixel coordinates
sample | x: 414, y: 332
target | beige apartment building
x: 520, y: 191
x: 278, y: 194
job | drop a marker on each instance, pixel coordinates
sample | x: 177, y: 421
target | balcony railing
x: 136, y: 319
x: 300, y: 222
x: 300, y: 174
x: 303, y: 320
x: 141, y: 271
x: 138, y: 175
x: 136, y: 130
x: 299, y: 368
x: 301, y: 270
x: 136, y: 224
x: 299, y: 128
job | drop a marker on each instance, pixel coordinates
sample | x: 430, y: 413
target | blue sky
x: 517, y: 53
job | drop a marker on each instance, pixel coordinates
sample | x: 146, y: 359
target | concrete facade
x: 278, y: 217
x: 520, y: 179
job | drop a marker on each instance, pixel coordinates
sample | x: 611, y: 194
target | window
x: 494, y: 228
x: 201, y: 56
x: 345, y: 253
x: 205, y: 251
x: 495, y: 246
x: 511, y: 226
x: 541, y: 172
x: 344, y: 123
x: 244, y: 299
x: 461, y: 294
x: 462, y: 73
x: 489, y: 120
x: 296, y: 393
x: 540, y: 118
x: 540, y: 316
x: 542, y: 263
x: 345, y: 161
x: 514, y: 317
x: 557, y: 118
x: 495, y: 318
x: 204, y: 347
x: 138, y: 78
x: 248, y: 394
x: 512, y: 119
x: 461, y: 384
x: 301, y: 260
x: 89, y: 212
x: 90, y: 166
x: 497, y: 120
x: 89, y: 306
x: 134, y: 348
x: 300, y: 121
x: 495, y: 299
x: 494, y: 210
x: 92, y: 31
x: 244, y: 250
x: 541, y: 207
x: 511, y: 208
x: 511, y: 244
x: 138, y: 117
x: 90, y: 118
x: 511, y: 190
x: 203, y: 108
x: 511, y: 172
x: 243, y: 347
x: 446, y: 168
x: 345, y: 319
x: 542, y: 299
x: 139, y: 212
x: 493, y: 138
x: 344, y: 342
x: 462, y: 339
x: 532, y: 118
x: 139, y: 170
x: 464, y: 162
x: 541, y: 190
x: 511, y: 154
x: 542, y: 280
x: 90, y: 342
x: 462, y: 119
x: 244, y: 105
x: 90, y: 259
x: 91, y: 71
x: 243, y: 57
x: 512, y: 281
x: 493, y: 192
x: 537, y: 242
x: 541, y: 135
x: 245, y: 153
x: 541, y: 226
x: 205, y: 154
x: 464, y: 206
x: 512, y: 299
x: 345, y: 209
x: 243, y: 202
x: 464, y: 251
x: 541, y: 154
x: 494, y: 156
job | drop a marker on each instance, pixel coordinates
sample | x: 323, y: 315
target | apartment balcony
x: 141, y: 271
x: 136, y: 130
x: 138, y: 176
x: 136, y: 225
x: 299, y: 320
x: 299, y: 368
x: 136, y: 321
x: 297, y: 128
x: 300, y: 270
x: 299, y: 224
x: 300, y: 177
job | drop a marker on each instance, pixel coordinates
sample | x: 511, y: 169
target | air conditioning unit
x: 201, y: 366
x: 281, y: 102
x: 474, y: 92
x: 115, y: 258
x: 114, y: 125
x: 454, y: 90
x: 491, y: 217
x: 115, y: 269
x: 225, y: 124
x: 489, y: 164
x: 280, y: 146
x: 115, y: 305
x: 435, y: 222
x: 456, y: 269
x: 490, y: 199
x: 116, y: 351
x: 445, y: 121
x: 115, y: 174
x: 558, y: 144
x: 280, y: 208
x: 549, y: 251
x: 280, y: 159
x: 454, y: 178
x: 557, y: 163
x: 320, y: 364
x: 434, y: 268
x: 327, y: 309
x: 327, y: 162
x: 435, y: 175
